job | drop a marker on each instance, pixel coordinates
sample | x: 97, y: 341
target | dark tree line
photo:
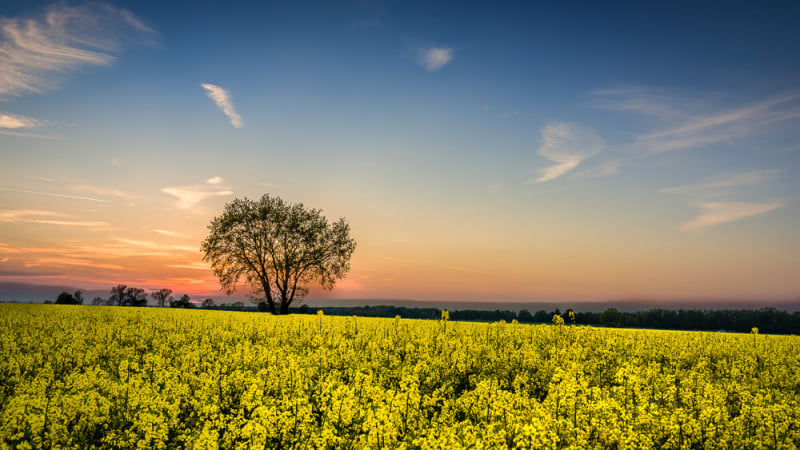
x: 768, y: 320
x: 123, y: 295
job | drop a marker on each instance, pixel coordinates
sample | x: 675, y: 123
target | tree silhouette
x: 65, y: 298
x: 162, y: 297
x: 117, y: 295
x: 209, y: 303
x: 237, y: 306
x: 278, y: 248
x: 183, y: 302
x: 134, y: 297
x: 122, y: 295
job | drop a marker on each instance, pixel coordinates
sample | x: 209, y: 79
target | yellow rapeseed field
x: 113, y: 377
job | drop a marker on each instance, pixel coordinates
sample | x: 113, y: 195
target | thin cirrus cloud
x: 719, y: 212
x: 54, y: 194
x: 13, y: 121
x: 717, y: 185
x: 192, y: 266
x: 685, y: 129
x: 46, y: 218
x: 715, y: 213
x: 36, y: 53
x: 223, y: 100
x: 109, y: 251
x: 108, y: 191
x: 134, y: 244
x: 189, y: 196
x: 646, y: 101
x: 15, y: 215
x: 70, y: 261
x: 9, y: 122
x: 168, y: 233
x: 567, y: 146
x: 434, y: 58
x: 603, y: 170
x: 214, y: 180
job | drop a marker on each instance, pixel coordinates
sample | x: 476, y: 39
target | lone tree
x: 278, y: 248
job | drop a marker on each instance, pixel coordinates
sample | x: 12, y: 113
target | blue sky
x: 575, y: 150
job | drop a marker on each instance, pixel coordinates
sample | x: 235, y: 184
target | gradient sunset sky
x: 479, y: 151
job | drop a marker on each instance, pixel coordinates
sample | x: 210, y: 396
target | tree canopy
x: 278, y: 248
x: 65, y: 298
x: 163, y: 297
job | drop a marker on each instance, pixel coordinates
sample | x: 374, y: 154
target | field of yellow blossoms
x: 112, y: 377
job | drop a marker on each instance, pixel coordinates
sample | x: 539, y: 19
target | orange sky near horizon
x: 93, y: 245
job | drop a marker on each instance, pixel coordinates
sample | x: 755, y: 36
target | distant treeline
x: 767, y: 320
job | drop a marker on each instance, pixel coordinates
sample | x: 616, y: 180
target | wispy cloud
x: 214, y: 180
x: 189, y: 196
x: 46, y: 218
x: 685, y: 128
x: 101, y: 256
x: 44, y: 179
x: 15, y: 121
x: 716, y: 213
x: 603, y: 170
x: 35, y: 53
x: 647, y: 101
x: 719, y: 212
x: 434, y: 58
x: 14, y: 215
x: 718, y: 184
x: 193, y: 266
x: 567, y: 146
x: 270, y: 185
x: 223, y: 100
x: 53, y: 194
x: 22, y: 274
x: 169, y: 233
x: 109, y: 191
x: 68, y: 261
x: 150, y: 245
x: 33, y: 135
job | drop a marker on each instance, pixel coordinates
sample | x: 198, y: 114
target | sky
x: 479, y: 151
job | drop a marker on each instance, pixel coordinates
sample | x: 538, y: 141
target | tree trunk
x: 268, y: 295
x: 284, y: 307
